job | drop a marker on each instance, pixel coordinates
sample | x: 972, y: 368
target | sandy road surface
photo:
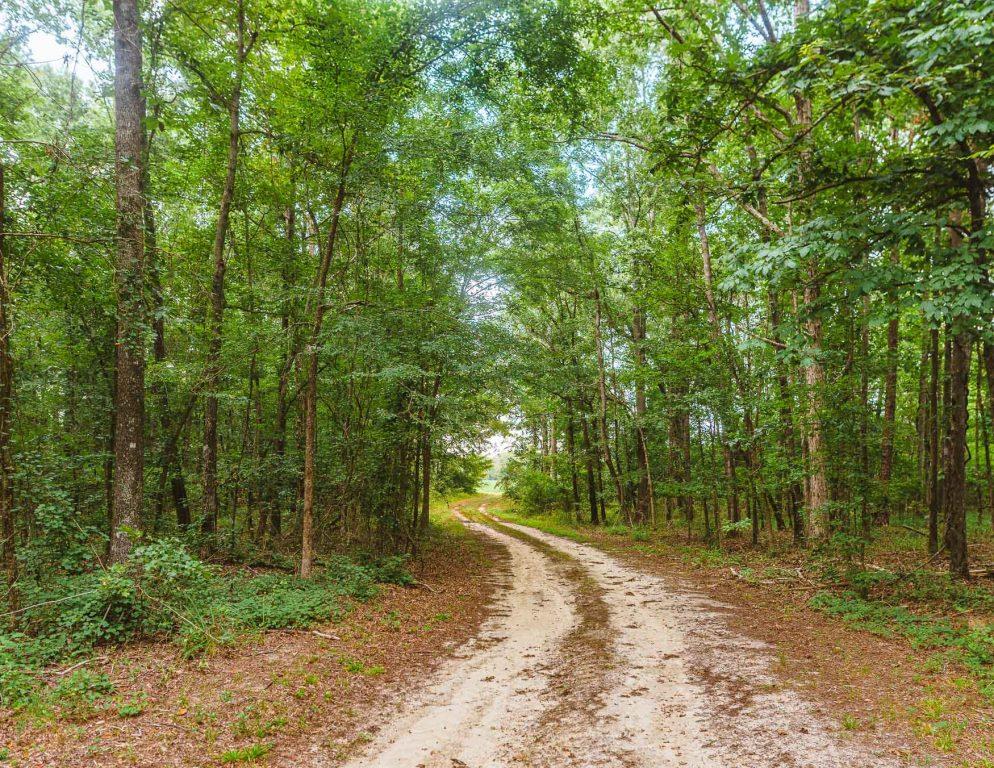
x: 587, y: 662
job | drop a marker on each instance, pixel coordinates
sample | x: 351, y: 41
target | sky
x: 46, y: 50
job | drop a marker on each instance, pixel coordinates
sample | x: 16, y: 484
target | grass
x: 971, y: 647
x: 249, y: 754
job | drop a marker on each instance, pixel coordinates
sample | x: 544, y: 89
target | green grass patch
x: 545, y: 523
x: 970, y: 647
x: 249, y: 754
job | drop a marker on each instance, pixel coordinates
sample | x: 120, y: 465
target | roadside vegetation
x: 233, y: 664
x: 163, y: 593
x: 275, y: 275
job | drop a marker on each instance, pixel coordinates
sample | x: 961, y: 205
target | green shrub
x: 82, y: 693
x: 534, y: 490
x: 164, y: 590
x: 392, y: 569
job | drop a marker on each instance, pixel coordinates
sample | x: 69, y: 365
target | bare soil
x: 591, y: 662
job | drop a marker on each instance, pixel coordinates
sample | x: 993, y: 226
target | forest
x: 282, y: 282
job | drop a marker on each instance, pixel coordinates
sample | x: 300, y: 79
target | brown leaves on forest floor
x: 285, y: 698
x: 881, y: 689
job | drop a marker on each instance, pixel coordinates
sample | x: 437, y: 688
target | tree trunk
x: 571, y: 453
x: 984, y: 430
x: 932, y: 437
x: 602, y: 393
x: 588, y: 456
x: 215, y: 321
x: 270, y: 513
x: 129, y: 394
x: 643, y: 495
x: 793, y: 493
x: 814, y: 371
x: 890, y: 410
x: 988, y: 352
x: 954, y: 454
x: 426, y: 455
x: 8, y: 530
x: 311, y: 392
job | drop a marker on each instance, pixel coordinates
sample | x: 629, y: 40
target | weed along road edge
x: 588, y: 662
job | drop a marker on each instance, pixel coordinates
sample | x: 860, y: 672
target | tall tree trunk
x: 271, y: 509
x: 793, y: 493
x: 988, y: 353
x: 8, y: 529
x: 215, y: 320
x: 814, y: 370
x: 311, y: 391
x: 982, y: 418
x: 588, y: 458
x: 571, y: 452
x: 890, y: 408
x: 426, y: 455
x: 643, y: 493
x: 602, y: 394
x: 129, y: 394
x: 169, y: 473
x: 932, y: 497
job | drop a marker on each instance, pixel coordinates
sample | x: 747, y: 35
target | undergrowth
x: 971, y: 646
x: 162, y: 591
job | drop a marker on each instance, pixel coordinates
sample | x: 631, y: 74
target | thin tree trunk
x: 988, y: 352
x: 8, y: 529
x: 793, y: 492
x: 311, y: 392
x: 571, y: 453
x: 932, y: 436
x: 984, y: 432
x: 954, y: 454
x: 215, y: 321
x: 588, y: 455
x: 129, y: 394
x: 426, y: 455
x: 890, y: 409
x: 602, y: 393
x: 643, y: 495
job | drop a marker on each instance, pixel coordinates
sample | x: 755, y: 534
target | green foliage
x: 391, y: 569
x: 164, y: 590
x: 462, y: 474
x: 534, y: 490
x: 973, y: 647
x: 82, y: 693
x: 249, y: 754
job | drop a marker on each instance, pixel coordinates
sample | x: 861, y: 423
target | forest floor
x: 541, y: 646
x: 280, y: 698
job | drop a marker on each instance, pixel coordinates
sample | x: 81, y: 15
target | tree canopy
x: 272, y: 274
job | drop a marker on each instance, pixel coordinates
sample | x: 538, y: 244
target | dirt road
x: 587, y: 662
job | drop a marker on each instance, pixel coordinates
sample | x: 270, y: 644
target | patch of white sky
x: 64, y: 49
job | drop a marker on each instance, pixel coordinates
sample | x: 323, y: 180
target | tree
x: 129, y: 367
